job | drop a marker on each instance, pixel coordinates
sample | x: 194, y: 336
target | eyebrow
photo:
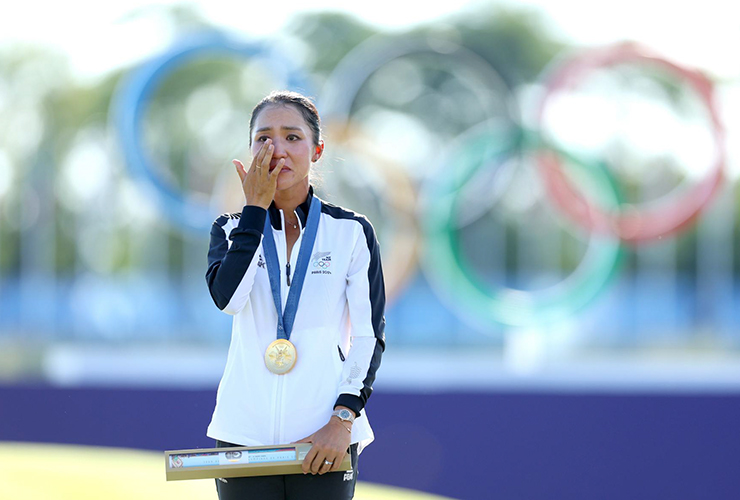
x: 284, y: 127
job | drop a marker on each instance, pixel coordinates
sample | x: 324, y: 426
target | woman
x: 308, y: 382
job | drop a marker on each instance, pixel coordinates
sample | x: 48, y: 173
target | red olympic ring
x: 636, y: 225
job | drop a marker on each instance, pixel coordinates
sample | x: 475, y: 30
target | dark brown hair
x: 288, y: 98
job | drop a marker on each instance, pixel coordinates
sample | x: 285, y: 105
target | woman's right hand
x: 258, y: 183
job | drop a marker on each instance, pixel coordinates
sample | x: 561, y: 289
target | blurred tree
x: 330, y: 36
x: 515, y: 42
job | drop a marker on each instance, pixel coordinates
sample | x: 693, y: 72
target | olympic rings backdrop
x: 450, y: 181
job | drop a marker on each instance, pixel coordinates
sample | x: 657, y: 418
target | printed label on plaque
x: 276, y: 455
x: 232, y: 457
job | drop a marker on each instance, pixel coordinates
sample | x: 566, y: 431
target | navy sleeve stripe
x: 377, y: 301
x: 228, y: 265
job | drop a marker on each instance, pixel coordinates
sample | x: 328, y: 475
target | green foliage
x: 330, y: 36
x: 515, y: 42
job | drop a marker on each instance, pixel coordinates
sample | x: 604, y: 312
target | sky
x: 98, y: 36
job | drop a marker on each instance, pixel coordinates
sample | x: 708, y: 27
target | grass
x: 32, y: 471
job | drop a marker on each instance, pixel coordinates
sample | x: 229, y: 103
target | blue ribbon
x: 287, y: 317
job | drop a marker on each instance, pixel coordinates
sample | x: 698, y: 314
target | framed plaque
x: 241, y: 461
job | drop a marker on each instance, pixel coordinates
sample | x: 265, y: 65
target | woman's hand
x: 330, y: 443
x: 258, y: 183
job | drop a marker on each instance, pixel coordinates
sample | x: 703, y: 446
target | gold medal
x: 280, y: 356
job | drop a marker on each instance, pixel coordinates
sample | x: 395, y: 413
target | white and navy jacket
x: 338, y: 331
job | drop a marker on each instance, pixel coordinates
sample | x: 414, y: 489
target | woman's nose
x: 279, y: 150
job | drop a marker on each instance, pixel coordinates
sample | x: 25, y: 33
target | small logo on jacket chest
x: 320, y: 263
x: 261, y: 263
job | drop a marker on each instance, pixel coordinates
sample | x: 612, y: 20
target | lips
x: 274, y: 164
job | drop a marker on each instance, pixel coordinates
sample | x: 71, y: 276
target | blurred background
x: 554, y: 186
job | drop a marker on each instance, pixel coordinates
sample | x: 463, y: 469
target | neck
x: 289, y: 199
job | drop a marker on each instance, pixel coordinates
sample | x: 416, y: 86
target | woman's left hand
x: 330, y: 444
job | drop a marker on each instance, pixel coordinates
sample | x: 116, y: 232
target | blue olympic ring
x: 133, y: 96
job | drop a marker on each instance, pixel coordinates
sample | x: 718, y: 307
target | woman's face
x: 291, y: 136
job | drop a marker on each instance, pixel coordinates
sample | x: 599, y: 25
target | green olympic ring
x: 459, y: 285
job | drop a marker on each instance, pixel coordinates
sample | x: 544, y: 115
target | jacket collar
x: 301, y: 210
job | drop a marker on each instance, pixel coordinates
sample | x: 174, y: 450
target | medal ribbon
x: 287, y: 317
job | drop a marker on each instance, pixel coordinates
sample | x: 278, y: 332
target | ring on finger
x: 326, y: 462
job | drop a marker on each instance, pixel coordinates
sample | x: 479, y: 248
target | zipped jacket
x: 338, y: 331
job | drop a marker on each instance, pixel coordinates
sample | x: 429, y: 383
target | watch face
x: 344, y: 414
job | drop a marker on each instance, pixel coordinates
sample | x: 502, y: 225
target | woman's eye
x: 262, y: 138
x: 293, y: 137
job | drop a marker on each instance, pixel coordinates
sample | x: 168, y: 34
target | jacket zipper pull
x: 287, y: 272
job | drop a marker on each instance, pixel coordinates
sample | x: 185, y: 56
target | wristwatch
x: 344, y: 414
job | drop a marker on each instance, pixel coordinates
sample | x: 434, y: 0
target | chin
x: 286, y: 182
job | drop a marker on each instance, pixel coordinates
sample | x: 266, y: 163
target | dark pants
x: 330, y: 486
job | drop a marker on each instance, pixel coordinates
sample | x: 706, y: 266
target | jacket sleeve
x: 366, y: 302
x: 231, y: 258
